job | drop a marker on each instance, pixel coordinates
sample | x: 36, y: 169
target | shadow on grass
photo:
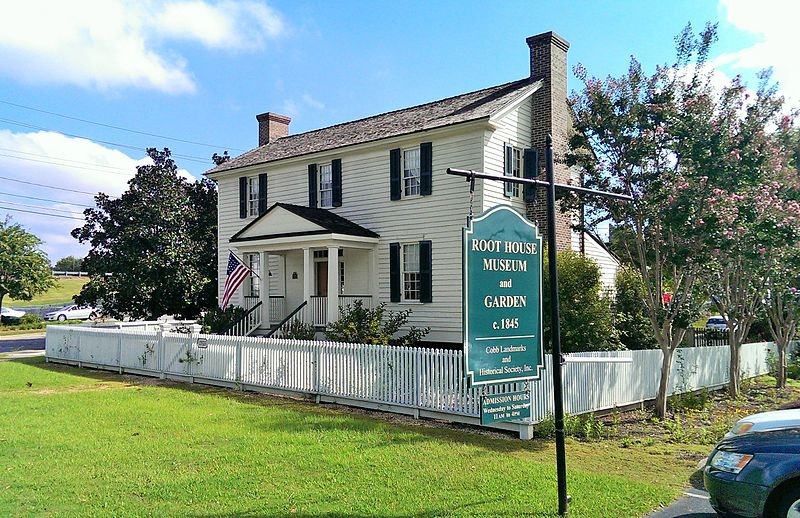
x: 327, y: 417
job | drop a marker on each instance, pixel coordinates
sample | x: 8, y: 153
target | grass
x: 78, y: 442
x: 66, y: 288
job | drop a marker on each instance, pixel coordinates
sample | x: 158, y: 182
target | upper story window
x: 325, y: 186
x: 516, y: 170
x: 411, y: 176
x: 252, y: 196
x: 411, y: 273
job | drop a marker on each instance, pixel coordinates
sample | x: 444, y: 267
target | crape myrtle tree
x: 153, y: 249
x: 625, y: 142
x: 24, y: 267
x: 749, y: 222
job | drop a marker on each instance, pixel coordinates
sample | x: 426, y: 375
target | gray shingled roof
x: 453, y: 110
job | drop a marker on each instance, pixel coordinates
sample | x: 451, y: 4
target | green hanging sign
x: 502, y: 313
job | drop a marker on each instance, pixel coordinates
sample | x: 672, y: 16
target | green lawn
x: 62, y: 294
x: 79, y: 442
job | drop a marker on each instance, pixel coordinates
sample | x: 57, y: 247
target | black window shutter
x: 425, y: 168
x: 425, y: 272
x: 530, y: 169
x: 312, y: 185
x: 394, y: 272
x: 508, y: 170
x: 394, y: 173
x: 243, y: 197
x: 336, y: 176
x: 262, y: 193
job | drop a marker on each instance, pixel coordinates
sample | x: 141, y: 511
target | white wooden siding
x: 514, y: 129
x: 608, y: 263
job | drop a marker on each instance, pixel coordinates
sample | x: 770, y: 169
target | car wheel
x: 62, y: 318
x: 788, y: 503
x: 92, y: 316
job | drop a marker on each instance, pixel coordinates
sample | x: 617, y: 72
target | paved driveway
x: 693, y: 504
x: 31, y: 342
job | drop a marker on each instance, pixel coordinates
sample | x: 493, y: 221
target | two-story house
x: 364, y: 209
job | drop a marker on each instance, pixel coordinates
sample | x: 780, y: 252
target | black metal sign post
x: 555, y: 330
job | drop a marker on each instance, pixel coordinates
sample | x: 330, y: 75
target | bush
x: 31, y: 319
x: 219, y: 320
x: 299, y: 330
x: 361, y: 325
x: 630, y: 319
x: 586, y: 319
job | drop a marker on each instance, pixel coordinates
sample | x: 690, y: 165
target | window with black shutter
x: 312, y: 185
x: 262, y: 193
x: 530, y: 170
x: 394, y: 272
x: 243, y: 197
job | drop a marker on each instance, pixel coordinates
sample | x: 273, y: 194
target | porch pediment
x: 284, y: 220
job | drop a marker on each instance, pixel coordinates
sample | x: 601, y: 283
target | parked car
x: 756, y: 474
x: 10, y: 314
x: 73, y: 312
x: 764, y: 421
x: 717, y: 323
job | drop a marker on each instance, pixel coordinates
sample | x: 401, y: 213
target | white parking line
x: 695, y: 495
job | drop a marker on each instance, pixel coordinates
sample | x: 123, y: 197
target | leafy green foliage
x: 296, y: 329
x: 30, y: 318
x: 24, y: 267
x: 217, y: 320
x: 630, y: 317
x: 68, y: 264
x: 361, y: 325
x: 158, y: 243
x: 586, y: 318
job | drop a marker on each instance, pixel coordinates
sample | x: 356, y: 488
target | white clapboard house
x: 364, y: 209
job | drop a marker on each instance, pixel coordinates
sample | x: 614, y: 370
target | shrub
x: 218, y: 320
x: 31, y: 319
x: 361, y: 325
x: 298, y: 330
x: 630, y: 318
x: 586, y: 319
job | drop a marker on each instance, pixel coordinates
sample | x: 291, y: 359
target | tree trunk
x: 663, y: 383
x: 734, y: 372
x: 781, y: 374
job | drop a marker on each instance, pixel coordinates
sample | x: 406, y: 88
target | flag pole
x: 245, y: 264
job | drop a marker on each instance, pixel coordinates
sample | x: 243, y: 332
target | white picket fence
x: 415, y: 381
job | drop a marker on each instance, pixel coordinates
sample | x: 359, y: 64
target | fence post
x: 237, y: 363
x: 119, y: 350
x: 317, y: 347
x: 417, y: 380
x: 163, y: 328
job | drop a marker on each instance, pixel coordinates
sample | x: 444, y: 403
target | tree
x: 627, y: 130
x: 153, y: 248
x: 68, y: 264
x: 586, y: 319
x: 630, y: 315
x: 24, y: 267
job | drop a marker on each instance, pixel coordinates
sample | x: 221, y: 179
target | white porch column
x: 333, y: 283
x: 308, y: 278
x: 373, y: 275
x: 264, y: 274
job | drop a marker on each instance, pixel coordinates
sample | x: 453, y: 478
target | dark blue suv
x: 756, y: 474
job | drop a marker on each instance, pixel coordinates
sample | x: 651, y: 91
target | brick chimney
x: 272, y: 126
x: 551, y: 115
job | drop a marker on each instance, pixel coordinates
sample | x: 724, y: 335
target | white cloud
x: 68, y: 164
x: 109, y: 44
x: 773, y: 22
x: 292, y: 107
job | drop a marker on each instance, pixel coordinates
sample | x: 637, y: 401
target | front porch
x: 309, y: 264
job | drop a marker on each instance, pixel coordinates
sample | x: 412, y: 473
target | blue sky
x: 200, y: 70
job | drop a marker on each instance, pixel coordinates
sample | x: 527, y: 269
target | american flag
x: 237, y: 273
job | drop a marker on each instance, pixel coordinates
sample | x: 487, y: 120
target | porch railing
x: 277, y: 308
x: 318, y: 306
x: 250, y: 301
x: 247, y: 324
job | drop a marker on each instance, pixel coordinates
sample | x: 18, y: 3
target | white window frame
x: 325, y: 187
x: 253, y: 261
x: 411, y: 176
x: 252, y: 196
x: 516, y: 170
x: 410, y: 278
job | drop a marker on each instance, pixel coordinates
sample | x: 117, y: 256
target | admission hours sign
x: 502, y: 313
